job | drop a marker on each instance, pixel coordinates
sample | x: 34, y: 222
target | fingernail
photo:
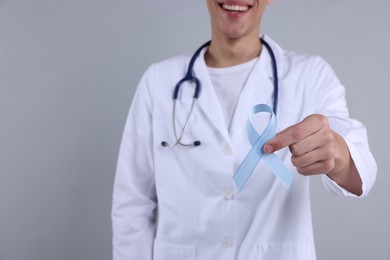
x: 268, y: 148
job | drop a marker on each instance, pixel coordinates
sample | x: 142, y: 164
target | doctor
x: 181, y: 202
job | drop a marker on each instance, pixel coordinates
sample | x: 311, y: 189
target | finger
x: 319, y: 139
x: 321, y: 167
x: 295, y: 133
x: 312, y: 157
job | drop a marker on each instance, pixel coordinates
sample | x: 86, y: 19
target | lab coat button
x: 228, y: 195
x: 227, y: 151
x: 227, y: 243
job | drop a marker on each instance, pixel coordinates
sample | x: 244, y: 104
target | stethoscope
x: 192, y: 79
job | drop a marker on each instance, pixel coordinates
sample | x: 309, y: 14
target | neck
x: 230, y: 52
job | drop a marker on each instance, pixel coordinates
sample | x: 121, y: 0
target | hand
x: 317, y: 149
x: 312, y: 145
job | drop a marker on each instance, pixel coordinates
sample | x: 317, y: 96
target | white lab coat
x: 181, y: 203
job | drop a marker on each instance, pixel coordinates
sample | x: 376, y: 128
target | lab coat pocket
x: 166, y: 251
x: 284, y: 251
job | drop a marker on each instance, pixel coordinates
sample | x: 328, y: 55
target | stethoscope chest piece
x: 179, y: 137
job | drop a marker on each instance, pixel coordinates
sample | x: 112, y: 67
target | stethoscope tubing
x: 275, y: 74
x: 189, y: 77
x: 192, y: 79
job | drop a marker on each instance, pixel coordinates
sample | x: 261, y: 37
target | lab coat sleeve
x: 134, y: 195
x: 329, y: 100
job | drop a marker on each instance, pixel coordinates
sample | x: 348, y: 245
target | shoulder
x: 162, y: 72
x: 170, y: 65
x: 292, y: 62
x: 309, y: 63
x: 315, y: 71
x: 160, y: 76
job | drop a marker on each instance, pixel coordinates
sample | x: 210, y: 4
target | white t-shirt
x: 228, y: 83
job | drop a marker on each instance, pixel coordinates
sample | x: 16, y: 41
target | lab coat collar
x: 208, y: 101
x: 261, y: 76
x: 279, y: 57
x: 260, y: 80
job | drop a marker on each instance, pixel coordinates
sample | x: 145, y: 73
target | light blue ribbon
x: 256, y: 153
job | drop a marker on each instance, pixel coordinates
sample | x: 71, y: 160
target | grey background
x: 68, y: 70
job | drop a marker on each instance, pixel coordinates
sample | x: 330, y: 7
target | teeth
x: 236, y: 8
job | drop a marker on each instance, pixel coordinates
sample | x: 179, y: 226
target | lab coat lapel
x: 208, y: 101
x: 257, y: 89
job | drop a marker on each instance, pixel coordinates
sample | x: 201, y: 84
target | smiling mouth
x: 235, y: 8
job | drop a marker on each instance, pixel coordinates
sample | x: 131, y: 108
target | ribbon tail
x: 249, y: 164
x: 278, y: 168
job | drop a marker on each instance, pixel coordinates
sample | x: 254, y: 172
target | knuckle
x: 328, y: 137
x: 295, y: 161
x: 329, y: 153
x: 302, y: 172
x: 319, y: 119
x: 294, y: 149
x: 328, y: 165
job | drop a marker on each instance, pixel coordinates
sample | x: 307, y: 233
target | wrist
x: 344, y: 172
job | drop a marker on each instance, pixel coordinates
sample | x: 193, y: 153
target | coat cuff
x: 366, y: 167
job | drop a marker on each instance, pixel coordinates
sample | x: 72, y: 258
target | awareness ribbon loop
x: 256, y: 153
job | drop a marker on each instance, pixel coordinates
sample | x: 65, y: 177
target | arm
x: 317, y: 149
x: 134, y: 196
x: 329, y: 142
